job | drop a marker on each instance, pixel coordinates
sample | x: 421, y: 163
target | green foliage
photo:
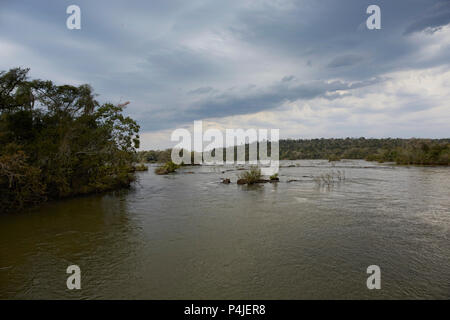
x: 402, y: 151
x: 168, y: 167
x: 274, y: 176
x: 20, y: 183
x: 154, y: 156
x: 67, y: 142
x: 161, y: 156
x: 140, y: 167
x: 252, y: 176
x: 416, y: 152
x: 333, y: 158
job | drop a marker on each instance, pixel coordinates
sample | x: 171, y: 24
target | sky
x: 309, y: 68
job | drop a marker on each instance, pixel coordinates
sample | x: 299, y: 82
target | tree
x: 63, y: 136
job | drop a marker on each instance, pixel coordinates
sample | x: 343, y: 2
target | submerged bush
x: 330, y: 178
x: 274, y: 177
x: 252, y: 176
x: 140, y: 167
x: 168, y: 167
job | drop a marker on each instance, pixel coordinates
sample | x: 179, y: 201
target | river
x: 188, y: 236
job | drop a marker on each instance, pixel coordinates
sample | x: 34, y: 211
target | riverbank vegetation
x: 58, y: 141
x: 400, y: 151
x: 168, y: 167
x: 140, y: 167
x: 251, y: 176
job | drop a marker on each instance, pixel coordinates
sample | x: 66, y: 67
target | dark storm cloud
x: 247, y: 102
x: 176, y: 60
x: 201, y: 90
x: 288, y: 78
x: 344, y: 61
x: 436, y: 18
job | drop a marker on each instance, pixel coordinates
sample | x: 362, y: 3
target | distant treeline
x: 58, y: 141
x: 400, y: 151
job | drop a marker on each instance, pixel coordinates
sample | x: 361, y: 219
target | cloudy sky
x: 310, y: 68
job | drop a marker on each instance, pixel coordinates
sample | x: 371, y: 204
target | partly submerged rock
x: 242, y: 181
x: 226, y: 181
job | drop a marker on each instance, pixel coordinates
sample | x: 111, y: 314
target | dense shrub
x: 140, y: 167
x: 252, y: 176
x: 58, y: 141
x: 20, y: 182
x: 168, y: 167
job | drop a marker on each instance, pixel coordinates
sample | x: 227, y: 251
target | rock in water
x: 241, y: 181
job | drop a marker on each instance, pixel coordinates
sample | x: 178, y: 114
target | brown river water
x: 188, y: 236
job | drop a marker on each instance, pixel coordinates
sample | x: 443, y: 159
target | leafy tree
x: 63, y: 138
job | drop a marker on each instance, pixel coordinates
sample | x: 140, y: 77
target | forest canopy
x: 58, y: 141
x: 400, y: 151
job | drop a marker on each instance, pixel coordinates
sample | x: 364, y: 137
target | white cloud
x: 413, y: 103
x: 185, y: 60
